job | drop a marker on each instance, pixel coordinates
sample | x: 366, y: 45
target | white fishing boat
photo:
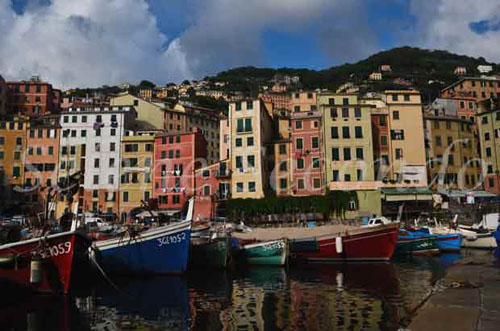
x: 471, y: 237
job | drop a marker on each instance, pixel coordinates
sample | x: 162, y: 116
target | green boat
x: 410, y: 244
x: 213, y: 253
x: 266, y: 253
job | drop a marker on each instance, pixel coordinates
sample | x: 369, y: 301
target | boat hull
x: 449, y: 242
x: 365, y: 244
x: 161, y: 250
x: 214, y: 253
x: 417, y: 246
x: 266, y: 253
x: 480, y: 241
x: 56, y: 255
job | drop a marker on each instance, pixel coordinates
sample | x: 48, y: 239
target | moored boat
x: 410, y: 243
x: 163, y: 249
x: 43, y: 264
x: 210, y: 252
x: 370, y: 243
x: 446, y: 242
x: 266, y: 253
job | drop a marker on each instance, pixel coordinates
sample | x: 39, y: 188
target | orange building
x: 477, y: 88
x: 33, y: 98
x: 12, y: 146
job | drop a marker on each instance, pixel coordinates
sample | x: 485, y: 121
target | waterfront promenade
x: 470, y: 300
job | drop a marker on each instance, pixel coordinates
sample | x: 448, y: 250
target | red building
x: 381, y: 148
x: 33, y: 98
x: 307, y: 153
x: 213, y: 188
x: 176, y: 157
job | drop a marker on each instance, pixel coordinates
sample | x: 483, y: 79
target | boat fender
x: 471, y: 238
x: 36, y: 269
x: 338, y: 244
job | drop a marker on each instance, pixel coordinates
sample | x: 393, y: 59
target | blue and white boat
x: 447, y: 242
x: 164, y: 250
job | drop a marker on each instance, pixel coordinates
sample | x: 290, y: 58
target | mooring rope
x: 103, y: 273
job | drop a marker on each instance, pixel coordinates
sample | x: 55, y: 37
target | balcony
x: 221, y: 196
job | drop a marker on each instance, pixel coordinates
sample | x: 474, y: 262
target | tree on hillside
x: 144, y: 84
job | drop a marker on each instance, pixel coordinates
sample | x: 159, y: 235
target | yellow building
x: 488, y: 120
x: 452, y: 156
x: 403, y: 158
x: 137, y: 155
x: 12, y: 147
x: 281, y: 175
x: 146, y: 94
x: 347, y: 138
x: 250, y: 135
x: 149, y: 114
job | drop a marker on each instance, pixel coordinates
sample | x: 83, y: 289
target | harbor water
x: 316, y: 297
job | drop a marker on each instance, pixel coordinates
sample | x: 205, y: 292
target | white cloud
x: 445, y: 24
x: 86, y: 43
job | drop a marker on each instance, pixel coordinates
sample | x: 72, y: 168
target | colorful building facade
x: 33, y: 98
x: 176, y: 157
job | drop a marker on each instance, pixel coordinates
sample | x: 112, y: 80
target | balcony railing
x: 222, y: 173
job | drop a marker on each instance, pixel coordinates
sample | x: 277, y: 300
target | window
x: 335, y: 154
x: 39, y: 151
x: 17, y: 155
x: 383, y: 140
x: 66, y: 119
x: 112, y: 162
x: 239, y: 187
x: 97, y: 147
x: 125, y: 196
x: 300, y: 184
x: 96, y: 179
x: 251, y: 161
x: 84, y: 119
x: 358, y: 132
x: 331, y: 101
x: 250, y: 141
x: 74, y: 119
x: 296, y: 109
x: 488, y: 151
x: 249, y: 105
x: 111, y: 179
x: 19, y: 141
x: 283, y: 166
x: 345, y: 132
x: 30, y: 150
x: 399, y: 153
x: 239, y: 125
x: 315, y: 162
x: 357, y: 112
x: 347, y: 177
x: 333, y: 113
x: 239, y: 162
x: 113, y: 132
x: 395, y: 115
x: 98, y: 119
x: 451, y: 161
x: 345, y: 101
x: 335, y: 176
x: 299, y: 143
x: 300, y: 163
x: 438, y: 141
x: 394, y: 97
x: 83, y: 133
x: 16, y: 171
x: 283, y: 183
x: 238, y: 106
x: 486, y: 136
x: 359, y: 153
x: 238, y: 142
x: 345, y: 112
x: 282, y: 149
x: 112, y: 147
x: 298, y: 124
x: 347, y: 153
x: 359, y: 174
x: 98, y: 132
x: 95, y: 194
x: 73, y: 133
x: 382, y: 120
x: 335, y: 132
x: 251, y: 186
x: 398, y: 134
x: 315, y: 142
x: 406, y: 97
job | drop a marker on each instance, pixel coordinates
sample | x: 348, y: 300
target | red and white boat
x: 369, y: 243
x: 43, y: 264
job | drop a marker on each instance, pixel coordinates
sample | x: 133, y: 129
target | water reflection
x: 320, y: 297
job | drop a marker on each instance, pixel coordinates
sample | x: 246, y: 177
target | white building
x: 484, y: 69
x: 90, y: 142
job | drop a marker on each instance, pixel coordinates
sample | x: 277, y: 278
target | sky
x: 89, y: 43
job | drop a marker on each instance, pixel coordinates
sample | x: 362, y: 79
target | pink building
x: 177, y: 156
x: 307, y: 153
x: 213, y: 188
x: 224, y: 138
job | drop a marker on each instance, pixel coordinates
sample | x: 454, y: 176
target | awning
x: 146, y: 214
x: 463, y: 194
x: 168, y: 212
x: 406, y: 194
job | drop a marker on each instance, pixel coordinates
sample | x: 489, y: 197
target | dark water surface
x: 314, y: 297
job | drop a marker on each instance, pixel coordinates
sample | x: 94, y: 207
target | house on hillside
x: 460, y: 71
x: 385, y: 68
x: 484, y: 69
x: 375, y: 76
